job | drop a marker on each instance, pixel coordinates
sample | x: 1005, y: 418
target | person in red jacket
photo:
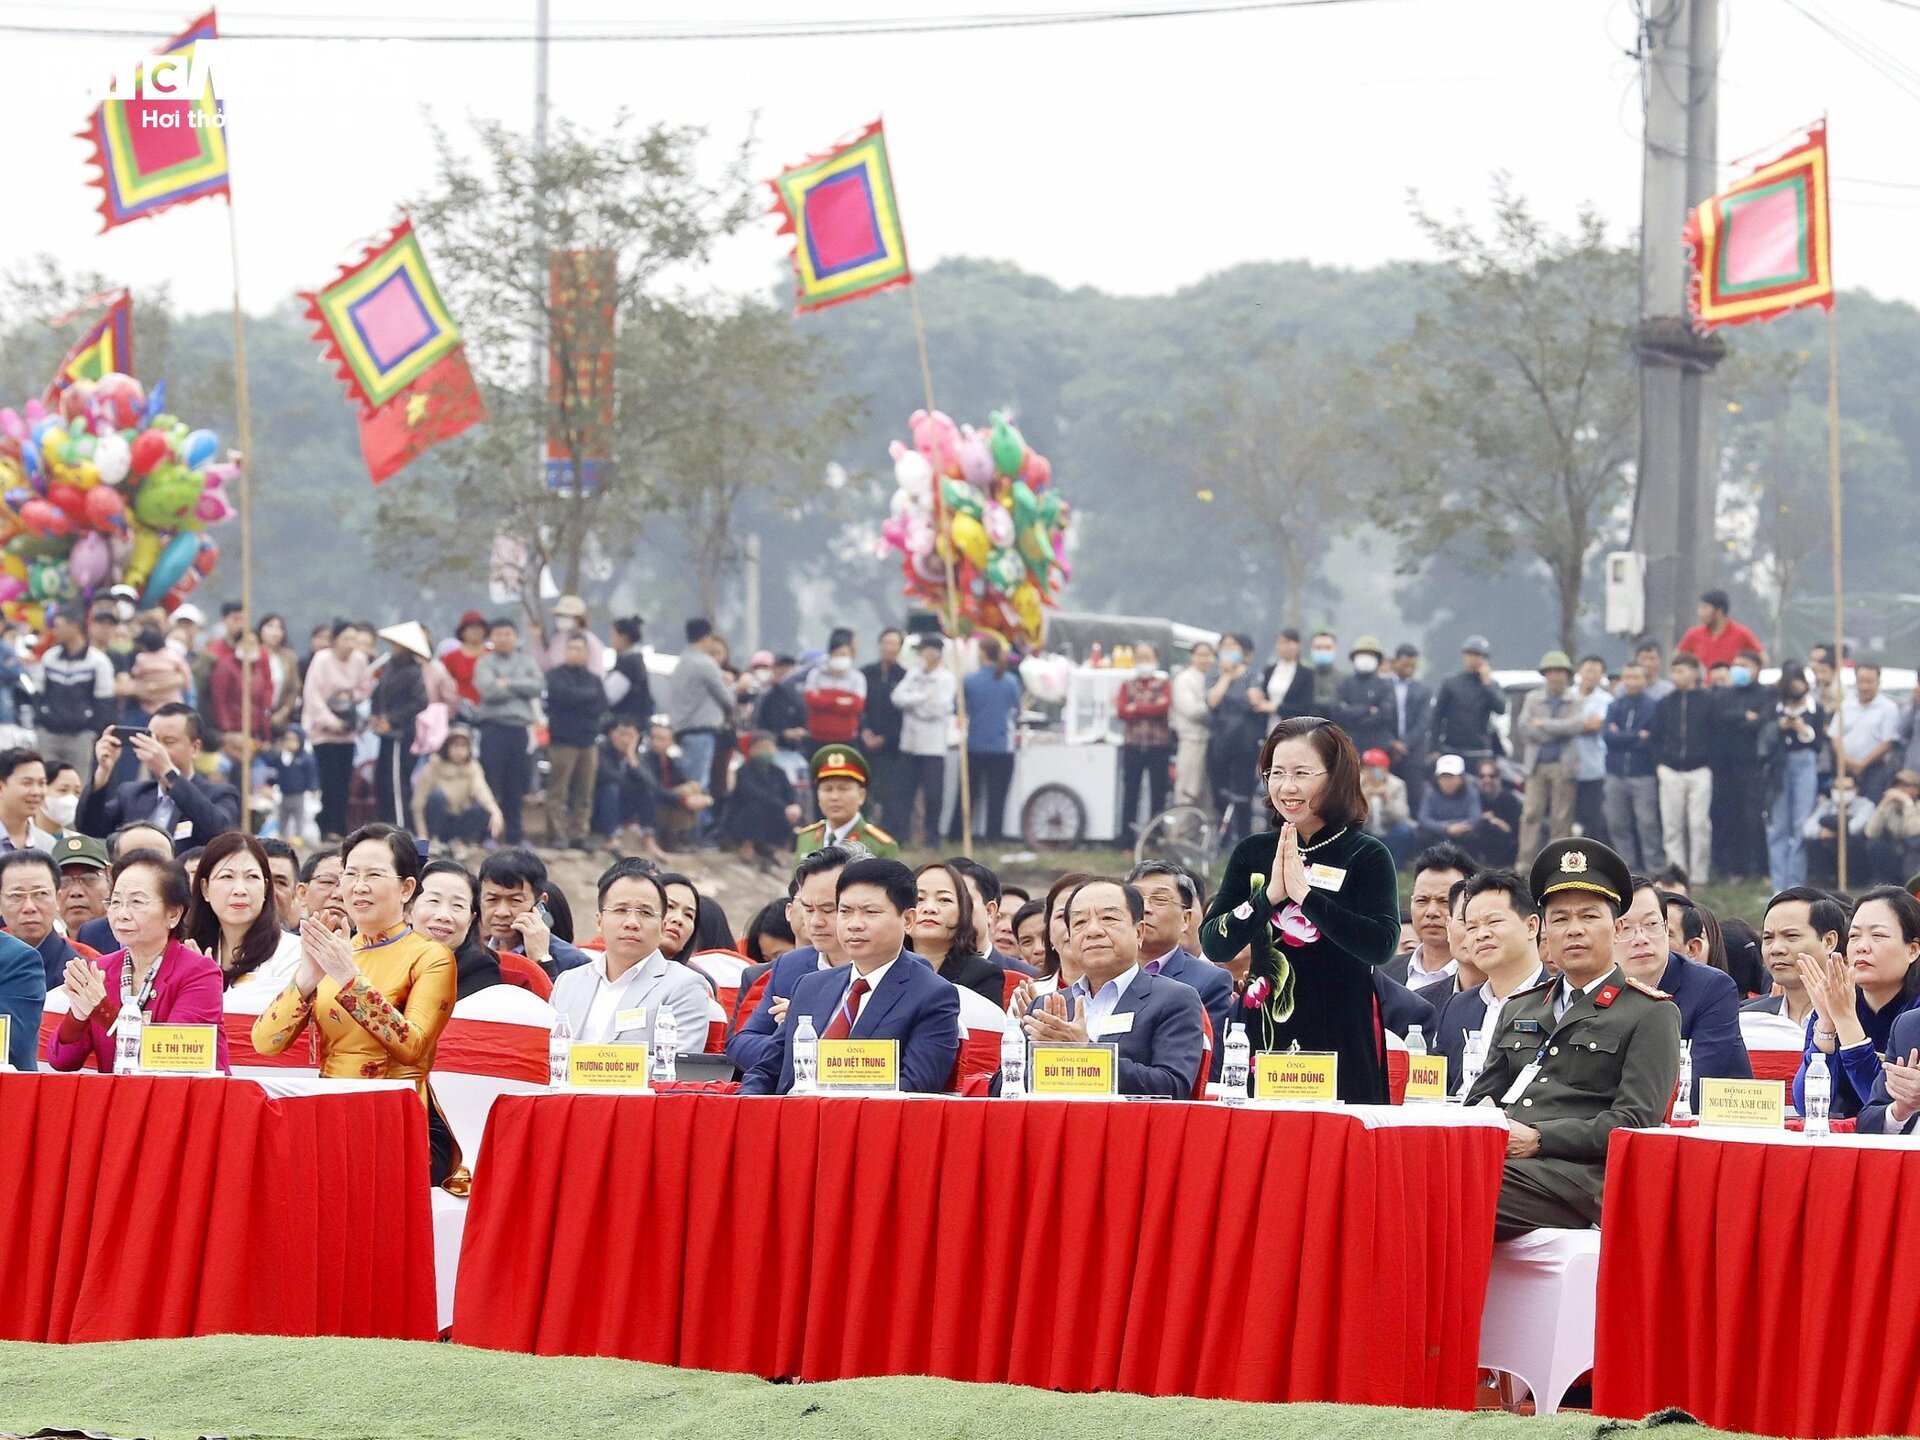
x: 836, y: 694
x: 229, y: 675
x: 1718, y: 639
x: 1143, y: 704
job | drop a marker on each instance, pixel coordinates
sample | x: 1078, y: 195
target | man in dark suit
x: 1153, y: 1020
x: 1287, y: 685
x: 1502, y: 940
x: 1412, y: 702
x: 1168, y: 893
x: 171, y: 797
x: 1709, y: 1001
x: 812, y: 911
x: 1401, y: 1009
x: 886, y: 993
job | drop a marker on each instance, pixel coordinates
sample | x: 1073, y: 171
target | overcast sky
x: 1136, y: 156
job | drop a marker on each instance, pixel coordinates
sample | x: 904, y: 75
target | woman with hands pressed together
x: 379, y: 1001
x: 1319, y: 906
x: 1858, y: 996
x: 170, y: 981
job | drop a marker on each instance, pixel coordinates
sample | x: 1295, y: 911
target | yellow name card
x: 1426, y: 1077
x: 607, y: 1067
x: 6, y: 1038
x: 859, y: 1065
x: 1076, y: 1070
x: 1296, y: 1075
x: 179, y: 1049
x: 1757, y: 1104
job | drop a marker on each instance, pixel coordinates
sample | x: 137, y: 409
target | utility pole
x: 751, y: 623
x: 1677, y: 484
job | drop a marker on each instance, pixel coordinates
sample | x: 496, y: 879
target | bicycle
x: 1187, y: 836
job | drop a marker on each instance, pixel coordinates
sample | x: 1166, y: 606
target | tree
x: 758, y: 426
x: 1277, y: 440
x: 492, y: 230
x: 1512, y: 408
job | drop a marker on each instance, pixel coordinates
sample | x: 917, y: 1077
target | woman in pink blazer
x: 177, y: 984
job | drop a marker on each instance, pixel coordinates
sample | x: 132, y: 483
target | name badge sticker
x: 634, y: 1019
x: 1326, y: 877
x: 1120, y: 1024
x: 1520, y: 1082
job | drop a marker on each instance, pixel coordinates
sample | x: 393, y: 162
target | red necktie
x: 843, y: 1018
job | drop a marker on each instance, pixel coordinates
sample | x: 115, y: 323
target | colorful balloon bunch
x: 105, y: 489
x: 994, y: 519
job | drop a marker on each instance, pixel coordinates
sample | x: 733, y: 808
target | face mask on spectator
x: 1740, y: 675
x: 564, y: 622
x: 62, y: 808
x: 1323, y: 658
x: 1363, y: 663
x: 840, y: 664
x: 763, y: 673
x: 1143, y: 671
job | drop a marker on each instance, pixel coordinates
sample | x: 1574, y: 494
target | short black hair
x: 12, y: 760
x: 838, y: 636
x: 1456, y: 899
x: 827, y: 857
x: 1825, y: 913
x: 628, y: 627
x: 1032, y: 910
x: 311, y: 865
x: 772, y: 920
x: 1599, y: 660
x: 1445, y: 856
x: 231, y: 607
x: 515, y: 865
x: 889, y: 876
x: 1182, y: 879
x: 1646, y: 643
x: 698, y: 629
x: 1717, y: 599
x: 502, y: 622
x: 195, y: 731
x: 1501, y: 882
x: 1686, y: 659
x: 1008, y: 892
x: 278, y: 849
x: 13, y: 859
x: 1287, y: 632
x: 631, y: 867
x: 395, y: 841
x: 1668, y: 878
x: 984, y: 879
x: 1136, y: 902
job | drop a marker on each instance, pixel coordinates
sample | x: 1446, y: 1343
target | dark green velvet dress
x: 1318, y: 961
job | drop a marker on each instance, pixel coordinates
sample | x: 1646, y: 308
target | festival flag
x: 840, y: 209
x: 388, y: 336
x: 582, y: 290
x: 153, y: 154
x: 106, y: 347
x: 1761, y: 247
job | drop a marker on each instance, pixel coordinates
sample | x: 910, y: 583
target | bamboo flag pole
x: 1839, y: 612
x: 244, y: 499
x: 951, y: 621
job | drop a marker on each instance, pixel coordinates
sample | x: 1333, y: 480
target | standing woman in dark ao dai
x: 1318, y: 904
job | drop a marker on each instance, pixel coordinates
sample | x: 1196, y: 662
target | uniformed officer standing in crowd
x: 840, y: 788
x: 1578, y: 1056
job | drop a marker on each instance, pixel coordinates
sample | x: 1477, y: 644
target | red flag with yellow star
x: 436, y: 407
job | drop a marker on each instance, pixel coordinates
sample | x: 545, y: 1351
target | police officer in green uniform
x: 1575, y: 1058
x: 840, y: 787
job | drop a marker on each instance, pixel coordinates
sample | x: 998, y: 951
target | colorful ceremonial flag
x: 389, y: 338
x: 106, y: 347
x: 156, y: 153
x: 1761, y: 247
x: 839, y: 208
x: 583, y: 288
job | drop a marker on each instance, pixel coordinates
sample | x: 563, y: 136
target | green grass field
x: 249, y: 1386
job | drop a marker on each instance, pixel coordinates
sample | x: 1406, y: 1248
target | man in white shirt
x: 1501, y: 933
x: 1430, y: 969
x: 1868, y: 725
x: 23, y: 790
x: 617, y: 996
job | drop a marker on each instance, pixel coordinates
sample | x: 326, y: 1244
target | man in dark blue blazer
x: 1154, y: 1021
x: 886, y: 993
x: 1167, y: 892
x: 1709, y: 1001
x: 1895, y: 1104
x: 812, y: 911
x: 1502, y: 940
x: 182, y: 804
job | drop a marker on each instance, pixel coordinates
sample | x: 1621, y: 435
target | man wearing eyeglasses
x: 29, y: 901
x: 885, y: 993
x: 617, y: 996
x: 1709, y: 1001
x: 1580, y: 1056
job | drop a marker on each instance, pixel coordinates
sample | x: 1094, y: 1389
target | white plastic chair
x: 1538, y: 1322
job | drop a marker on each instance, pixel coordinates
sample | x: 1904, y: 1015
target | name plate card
x: 1296, y: 1075
x: 1755, y: 1104
x: 1076, y: 1071
x: 6, y: 1037
x: 1426, y: 1078
x: 607, y: 1067
x: 179, y: 1050
x: 852, y: 1067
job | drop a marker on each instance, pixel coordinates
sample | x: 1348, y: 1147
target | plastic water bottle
x: 1013, y: 1063
x: 1235, y: 1060
x: 1683, y: 1099
x: 1472, y: 1061
x: 560, y: 1053
x: 1816, y: 1094
x: 666, y: 1048
x: 1416, y: 1041
x: 126, y: 1051
x: 806, y: 1058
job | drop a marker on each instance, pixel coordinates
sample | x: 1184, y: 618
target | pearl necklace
x: 1328, y: 840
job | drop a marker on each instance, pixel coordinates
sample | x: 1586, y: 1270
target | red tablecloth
x: 1760, y: 1287
x: 153, y: 1208
x: 1069, y: 1246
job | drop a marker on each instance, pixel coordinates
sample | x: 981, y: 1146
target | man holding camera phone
x: 170, y: 795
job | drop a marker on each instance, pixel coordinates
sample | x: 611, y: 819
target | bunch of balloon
x: 981, y: 505
x: 106, y: 489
